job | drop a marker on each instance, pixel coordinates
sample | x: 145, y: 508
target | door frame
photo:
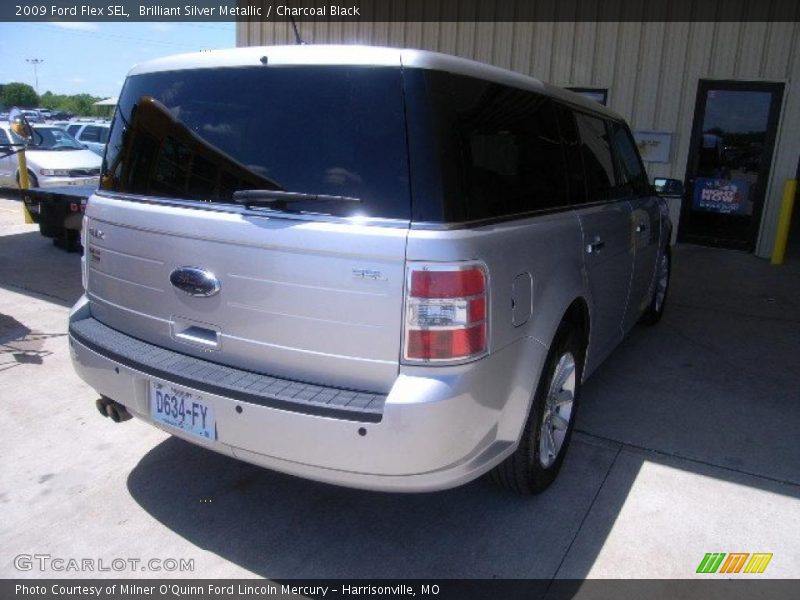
x: 777, y: 88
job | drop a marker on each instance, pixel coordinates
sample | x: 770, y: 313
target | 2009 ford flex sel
x: 380, y: 268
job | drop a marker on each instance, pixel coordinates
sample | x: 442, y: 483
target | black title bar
x: 400, y: 10
x: 431, y: 589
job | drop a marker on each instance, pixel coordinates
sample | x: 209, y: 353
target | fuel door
x: 521, y: 297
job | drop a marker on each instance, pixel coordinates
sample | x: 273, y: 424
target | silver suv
x: 93, y: 135
x: 379, y: 268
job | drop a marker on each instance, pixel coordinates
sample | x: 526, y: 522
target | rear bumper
x: 438, y: 427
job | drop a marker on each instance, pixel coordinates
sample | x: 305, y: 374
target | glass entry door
x: 730, y: 155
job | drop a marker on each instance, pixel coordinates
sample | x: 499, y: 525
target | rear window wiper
x: 279, y: 198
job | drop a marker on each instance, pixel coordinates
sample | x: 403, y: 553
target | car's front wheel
x: 32, y: 180
x: 537, y: 460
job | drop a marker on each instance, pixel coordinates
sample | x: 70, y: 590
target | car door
x: 6, y: 162
x: 605, y: 223
x: 645, y: 221
x: 609, y: 262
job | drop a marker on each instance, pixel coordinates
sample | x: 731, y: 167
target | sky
x: 94, y: 58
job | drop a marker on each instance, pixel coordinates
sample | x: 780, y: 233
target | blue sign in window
x: 723, y: 196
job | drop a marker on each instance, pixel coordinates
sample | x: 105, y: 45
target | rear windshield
x: 53, y: 138
x: 204, y: 134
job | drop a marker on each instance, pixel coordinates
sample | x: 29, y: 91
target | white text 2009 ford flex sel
x: 380, y: 268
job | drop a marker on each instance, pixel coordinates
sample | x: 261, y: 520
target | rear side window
x: 503, y: 147
x: 571, y: 142
x: 598, y: 162
x: 632, y: 173
x: 73, y: 129
x: 511, y: 154
x: 90, y: 133
x: 203, y: 134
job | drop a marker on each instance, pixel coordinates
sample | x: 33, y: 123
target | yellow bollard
x: 784, y: 220
x: 24, y: 184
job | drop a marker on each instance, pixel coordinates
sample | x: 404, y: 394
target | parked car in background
x: 93, y: 135
x: 54, y: 157
x: 33, y: 116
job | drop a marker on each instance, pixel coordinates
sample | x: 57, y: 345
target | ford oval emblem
x: 194, y: 281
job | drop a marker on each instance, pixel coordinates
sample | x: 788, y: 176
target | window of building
x: 597, y: 94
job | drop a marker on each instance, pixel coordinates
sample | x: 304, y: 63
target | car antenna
x: 297, y: 37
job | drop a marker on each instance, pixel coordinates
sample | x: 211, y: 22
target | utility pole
x: 35, y: 62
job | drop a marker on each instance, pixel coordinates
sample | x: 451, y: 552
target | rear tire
x: 655, y: 311
x: 546, y: 436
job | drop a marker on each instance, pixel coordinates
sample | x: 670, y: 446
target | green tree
x: 19, y: 94
x: 81, y: 104
x: 77, y: 104
x: 46, y: 99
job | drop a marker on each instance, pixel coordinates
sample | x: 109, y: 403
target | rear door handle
x: 595, y: 246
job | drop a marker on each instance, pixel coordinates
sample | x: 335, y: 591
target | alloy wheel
x: 557, y: 410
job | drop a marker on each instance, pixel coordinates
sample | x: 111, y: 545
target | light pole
x: 35, y: 62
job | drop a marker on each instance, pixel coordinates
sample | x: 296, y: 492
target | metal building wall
x: 651, y: 66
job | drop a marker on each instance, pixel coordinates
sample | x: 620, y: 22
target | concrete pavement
x: 687, y: 444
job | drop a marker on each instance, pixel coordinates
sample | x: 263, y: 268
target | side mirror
x: 668, y: 187
x: 19, y: 124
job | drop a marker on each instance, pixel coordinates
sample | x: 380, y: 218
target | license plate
x: 84, y: 181
x: 182, y: 409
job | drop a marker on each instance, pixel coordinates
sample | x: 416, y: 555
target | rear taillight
x: 446, y: 312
